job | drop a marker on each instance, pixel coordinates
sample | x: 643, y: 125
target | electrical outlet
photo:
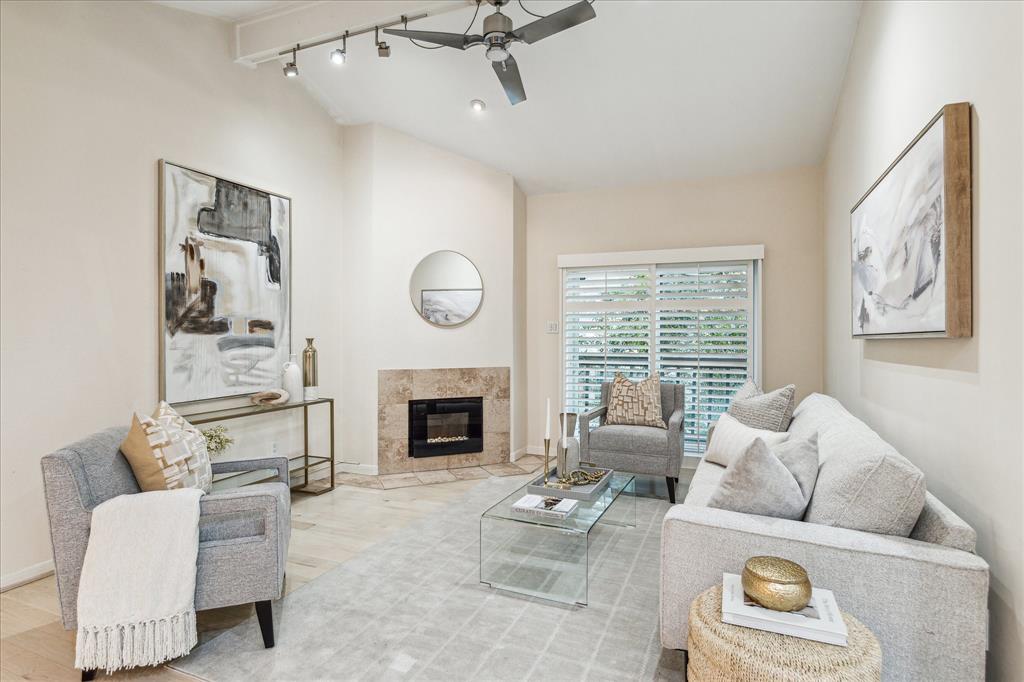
x: 551, y: 327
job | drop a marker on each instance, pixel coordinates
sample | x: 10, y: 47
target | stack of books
x: 545, y: 507
x: 820, y: 620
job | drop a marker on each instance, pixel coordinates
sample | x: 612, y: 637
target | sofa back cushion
x: 863, y: 483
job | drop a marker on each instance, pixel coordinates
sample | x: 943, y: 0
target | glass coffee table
x: 549, y: 558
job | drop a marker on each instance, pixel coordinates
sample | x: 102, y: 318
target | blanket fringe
x: 127, y: 645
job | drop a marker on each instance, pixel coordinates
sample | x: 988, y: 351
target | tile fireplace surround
x: 396, y: 387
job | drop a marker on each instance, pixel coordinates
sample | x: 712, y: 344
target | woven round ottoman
x: 719, y: 652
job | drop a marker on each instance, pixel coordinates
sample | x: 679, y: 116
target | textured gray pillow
x: 774, y: 482
x: 772, y: 411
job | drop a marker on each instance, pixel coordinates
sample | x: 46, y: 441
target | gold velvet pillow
x: 166, y: 452
x: 635, y: 404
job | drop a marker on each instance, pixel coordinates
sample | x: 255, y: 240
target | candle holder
x: 547, y: 455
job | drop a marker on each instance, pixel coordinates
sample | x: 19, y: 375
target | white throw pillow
x: 731, y: 439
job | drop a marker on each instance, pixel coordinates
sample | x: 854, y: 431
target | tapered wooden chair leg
x: 671, y: 489
x: 265, y: 615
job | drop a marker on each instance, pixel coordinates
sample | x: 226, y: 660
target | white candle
x: 565, y: 429
x: 547, y: 421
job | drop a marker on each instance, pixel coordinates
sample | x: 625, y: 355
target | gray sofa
x: 243, y: 532
x: 637, y: 449
x: 924, y: 596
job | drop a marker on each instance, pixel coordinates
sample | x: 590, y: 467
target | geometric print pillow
x: 635, y: 404
x: 166, y: 452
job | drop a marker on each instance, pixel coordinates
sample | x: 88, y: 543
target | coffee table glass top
x: 581, y: 521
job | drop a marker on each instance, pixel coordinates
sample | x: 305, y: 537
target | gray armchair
x: 243, y: 532
x: 637, y: 449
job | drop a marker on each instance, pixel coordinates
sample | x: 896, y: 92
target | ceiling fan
x: 498, y: 36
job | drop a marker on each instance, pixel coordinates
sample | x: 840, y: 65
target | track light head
x: 383, y: 50
x: 290, y: 70
x: 338, y: 57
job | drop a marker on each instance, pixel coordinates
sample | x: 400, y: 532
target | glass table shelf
x: 549, y: 558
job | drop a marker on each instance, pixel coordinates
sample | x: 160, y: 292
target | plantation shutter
x: 693, y: 323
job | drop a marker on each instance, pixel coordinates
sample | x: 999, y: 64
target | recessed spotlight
x: 338, y: 57
x: 478, y: 105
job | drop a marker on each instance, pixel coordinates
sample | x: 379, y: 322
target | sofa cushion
x: 627, y: 438
x: 769, y: 482
x: 704, y: 483
x: 863, y: 483
x: 772, y: 411
x: 731, y: 439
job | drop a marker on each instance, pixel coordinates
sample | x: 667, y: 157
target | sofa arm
x: 279, y: 464
x: 926, y: 603
x: 584, y: 421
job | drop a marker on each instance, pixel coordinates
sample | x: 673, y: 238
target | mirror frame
x: 483, y: 291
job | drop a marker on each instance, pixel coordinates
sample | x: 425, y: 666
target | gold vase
x: 775, y: 583
x: 311, y: 390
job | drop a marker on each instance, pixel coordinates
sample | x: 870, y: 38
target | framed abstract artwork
x: 911, y: 238
x: 225, y: 286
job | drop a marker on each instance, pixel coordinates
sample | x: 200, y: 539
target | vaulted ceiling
x: 646, y: 92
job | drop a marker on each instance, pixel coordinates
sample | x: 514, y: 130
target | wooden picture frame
x: 910, y: 237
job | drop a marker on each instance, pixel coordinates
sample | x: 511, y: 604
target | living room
x: 512, y: 340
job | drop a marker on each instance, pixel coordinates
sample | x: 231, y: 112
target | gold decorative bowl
x: 776, y: 584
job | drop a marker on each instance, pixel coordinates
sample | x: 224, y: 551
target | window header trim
x: 707, y: 254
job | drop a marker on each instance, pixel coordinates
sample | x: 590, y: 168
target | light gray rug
x: 412, y: 607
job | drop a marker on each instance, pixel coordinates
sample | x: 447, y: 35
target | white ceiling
x: 232, y: 10
x: 646, y: 92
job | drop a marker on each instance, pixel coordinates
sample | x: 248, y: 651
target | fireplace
x: 446, y: 426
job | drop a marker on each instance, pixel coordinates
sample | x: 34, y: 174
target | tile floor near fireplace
x: 397, y: 388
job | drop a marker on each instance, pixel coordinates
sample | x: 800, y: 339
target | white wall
x: 952, y: 406
x: 406, y: 200
x: 780, y: 210
x: 93, y: 95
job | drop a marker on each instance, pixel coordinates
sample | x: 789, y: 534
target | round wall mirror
x: 446, y: 289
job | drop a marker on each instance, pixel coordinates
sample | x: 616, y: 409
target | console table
x: 308, y: 461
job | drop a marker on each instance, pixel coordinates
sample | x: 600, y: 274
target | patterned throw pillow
x: 635, y: 404
x: 772, y: 411
x: 166, y: 452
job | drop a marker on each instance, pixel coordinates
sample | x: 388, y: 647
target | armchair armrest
x: 280, y: 464
x: 900, y: 588
x: 675, y: 441
x: 584, y: 421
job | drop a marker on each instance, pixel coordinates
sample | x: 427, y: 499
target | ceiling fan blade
x: 556, y: 22
x: 508, y: 74
x: 456, y: 40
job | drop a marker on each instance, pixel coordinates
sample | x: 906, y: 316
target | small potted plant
x: 217, y: 440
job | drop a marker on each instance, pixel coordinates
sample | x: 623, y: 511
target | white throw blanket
x: 136, y: 598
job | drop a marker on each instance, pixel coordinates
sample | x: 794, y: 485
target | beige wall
x: 780, y: 210
x: 952, y: 406
x: 93, y: 95
x: 404, y: 200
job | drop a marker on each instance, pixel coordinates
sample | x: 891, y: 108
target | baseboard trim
x: 29, y: 574
x: 353, y: 468
x: 518, y: 453
x: 535, y: 450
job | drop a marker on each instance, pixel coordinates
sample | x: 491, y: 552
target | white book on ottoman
x: 820, y: 620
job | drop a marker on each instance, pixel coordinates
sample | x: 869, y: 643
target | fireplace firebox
x: 446, y: 426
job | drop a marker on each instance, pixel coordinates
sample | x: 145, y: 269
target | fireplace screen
x: 445, y: 426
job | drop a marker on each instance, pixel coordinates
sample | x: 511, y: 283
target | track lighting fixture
x: 383, y: 49
x: 291, y: 70
x: 338, y: 57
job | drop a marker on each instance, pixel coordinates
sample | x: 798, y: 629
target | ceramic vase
x: 292, y: 379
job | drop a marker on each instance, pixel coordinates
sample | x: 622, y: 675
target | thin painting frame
x: 285, y: 280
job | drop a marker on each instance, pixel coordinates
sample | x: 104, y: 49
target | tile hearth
x: 524, y: 465
x: 396, y: 387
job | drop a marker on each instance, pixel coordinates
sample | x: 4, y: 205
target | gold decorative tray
x: 585, y: 493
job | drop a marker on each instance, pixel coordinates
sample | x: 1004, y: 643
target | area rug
x: 412, y: 607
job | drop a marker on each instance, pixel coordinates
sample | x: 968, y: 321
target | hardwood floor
x: 326, y: 530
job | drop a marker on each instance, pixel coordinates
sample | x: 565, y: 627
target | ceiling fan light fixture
x: 477, y: 105
x: 497, y: 52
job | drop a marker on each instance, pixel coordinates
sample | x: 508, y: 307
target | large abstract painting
x: 225, y: 251
x: 911, y: 238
